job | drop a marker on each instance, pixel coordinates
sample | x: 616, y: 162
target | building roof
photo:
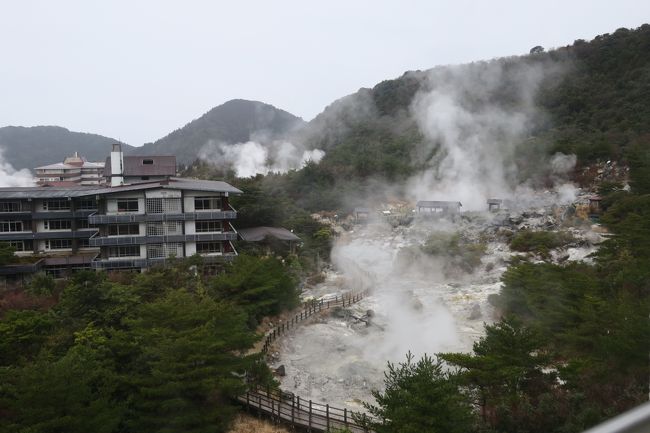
x: 494, y: 201
x: 134, y: 166
x: 64, y: 166
x: 433, y: 203
x: 81, y: 191
x: 257, y: 234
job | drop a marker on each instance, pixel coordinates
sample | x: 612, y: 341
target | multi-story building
x: 74, y: 170
x: 58, y: 229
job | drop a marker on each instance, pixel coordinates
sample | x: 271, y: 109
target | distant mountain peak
x: 234, y: 121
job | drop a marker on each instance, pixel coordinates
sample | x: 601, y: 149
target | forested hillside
x: 590, y: 100
x: 29, y: 147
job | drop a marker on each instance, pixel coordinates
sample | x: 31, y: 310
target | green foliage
x: 71, y: 394
x: 260, y: 286
x: 539, y: 242
x: 42, y: 285
x: 420, y: 397
x: 7, y: 256
x: 506, y: 379
x: 187, y: 363
x: 152, y: 353
x: 450, y: 249
x: 22, y: 334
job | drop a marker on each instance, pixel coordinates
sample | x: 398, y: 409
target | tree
x: 260, y: 286
x: 72, y: 394
x: 191, y: 363
x: 420, y: 397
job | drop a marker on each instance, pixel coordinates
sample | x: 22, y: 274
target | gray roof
x: 433, y: 203
x: 494, y: 201
x: 81, y: 191
x: 134, y: 166
x: 256, y: 234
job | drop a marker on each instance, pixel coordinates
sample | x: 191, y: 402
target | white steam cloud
x: 473, y: 117
x: 10, y: 177
x: 256, y: 157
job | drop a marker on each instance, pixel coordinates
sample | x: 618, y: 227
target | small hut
x: 270, y: 238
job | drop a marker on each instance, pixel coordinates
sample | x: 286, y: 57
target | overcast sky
x: 136, y: 70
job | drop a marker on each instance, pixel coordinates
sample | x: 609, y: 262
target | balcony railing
x: 101, y: 241
x: 63, y: 234
x: 43, y: 215
x: 161, y: 217
x: 139, y: 262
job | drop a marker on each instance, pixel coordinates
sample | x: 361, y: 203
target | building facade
x: 74, y: 170
x: 136, y: 226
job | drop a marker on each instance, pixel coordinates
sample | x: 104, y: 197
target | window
x: 209, y: 247
x: 207, y: 203
x: 11, y: 226
x: 58, y: 244
x: 144, y: 177
x: 58, y: 225
x: 147, y: 161
x: 124, y: 251
x: 87, y: 204
x: 165, y: 229
x: 163, y: 205
x: 208, y: 226
x: 162, y: 251
x: 83, y: 224
x: 84, y: 243
x: 127, y: 205
x: 10, y: 206
x: 17, y: 245
x: 123, y: 229
x: 56, y: 204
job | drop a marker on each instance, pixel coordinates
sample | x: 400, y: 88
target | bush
x: 539, y: 242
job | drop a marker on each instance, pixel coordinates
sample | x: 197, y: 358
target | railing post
x: 248, y: 401
x: 298, y: 403
x: 327, y: 416
x: 272, y: 409
x: 293, y: 404
x: 345, y: 417
x: 309, y: 415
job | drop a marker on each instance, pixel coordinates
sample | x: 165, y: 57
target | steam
x: 473, y: 118
x: 10, y: 177
x: 253, y: 157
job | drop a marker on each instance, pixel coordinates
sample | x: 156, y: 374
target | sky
x: 135, y: 70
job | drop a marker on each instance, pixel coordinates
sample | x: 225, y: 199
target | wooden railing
x: 310, y: 309
x: 285, y: 407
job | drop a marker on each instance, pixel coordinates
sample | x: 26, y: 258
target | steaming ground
x: 340, y: 358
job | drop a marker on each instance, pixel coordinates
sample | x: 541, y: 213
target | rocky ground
x: 422, y: 304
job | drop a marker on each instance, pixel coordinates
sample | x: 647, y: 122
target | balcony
x: 161, y: 217
x: 138, y: 262
x: 62, y: 234
x: 102, y: 241
x: 65, y: 214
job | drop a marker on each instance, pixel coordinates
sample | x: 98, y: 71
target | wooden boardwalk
x: 304, y: 415
x: 285, y: 407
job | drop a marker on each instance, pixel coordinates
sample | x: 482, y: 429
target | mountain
x: 29, y: 147
x: 592, y: 101
x: 233, y: 122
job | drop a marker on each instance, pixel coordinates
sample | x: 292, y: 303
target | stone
x: 476, y: 312
x: 281, y: 371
